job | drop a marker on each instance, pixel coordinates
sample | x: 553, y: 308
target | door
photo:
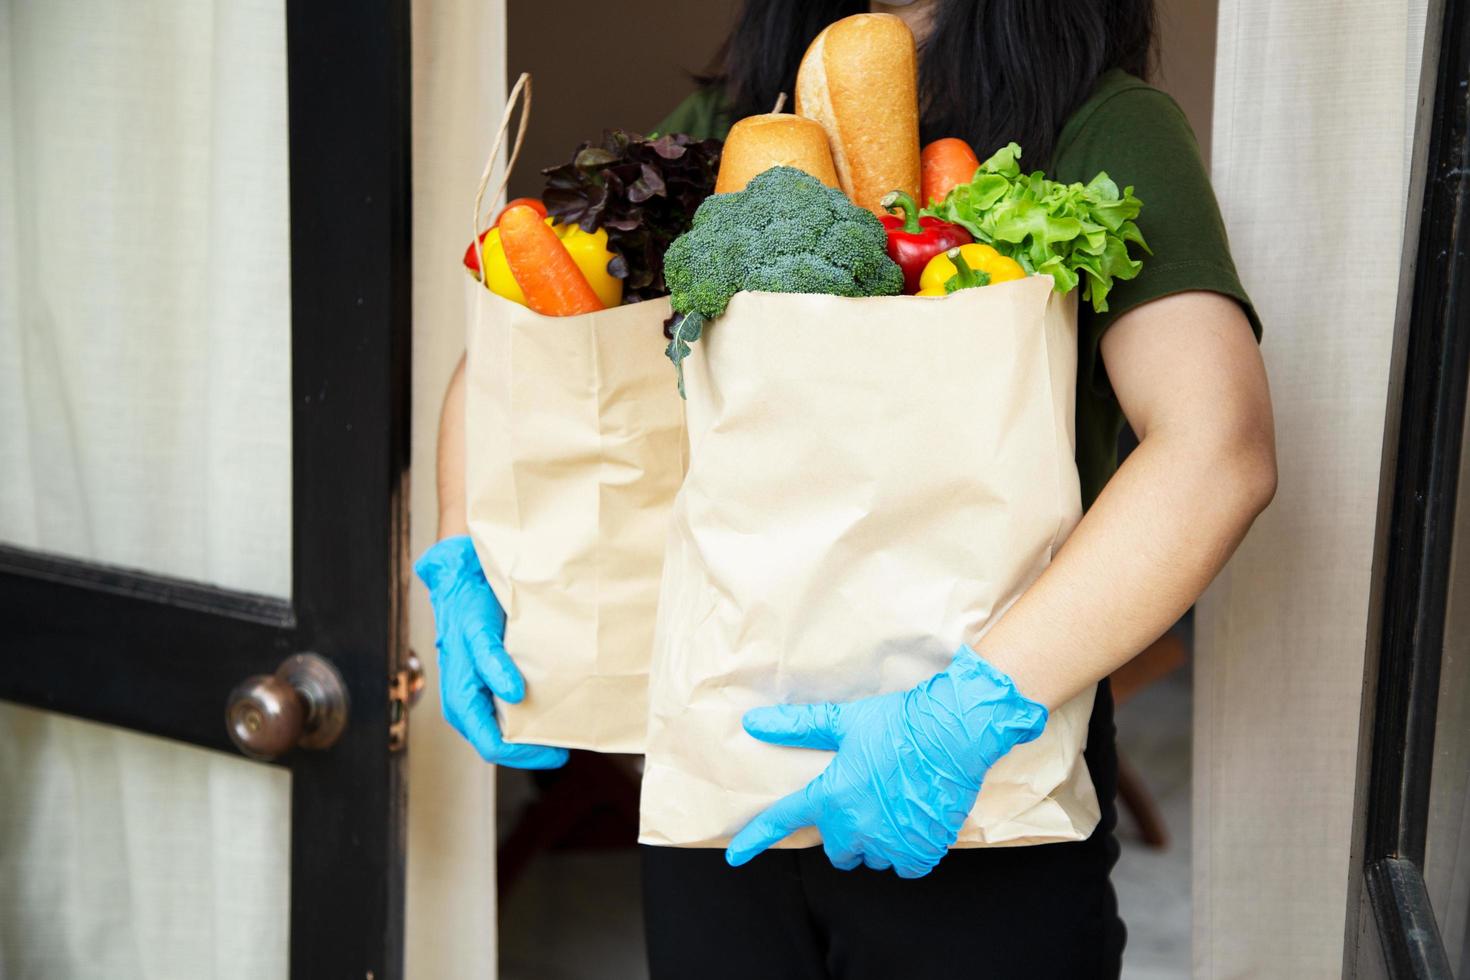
x: 1409, y: 907
x: 316, y: 674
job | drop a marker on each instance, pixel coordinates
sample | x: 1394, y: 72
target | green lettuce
x: 1076, y: 233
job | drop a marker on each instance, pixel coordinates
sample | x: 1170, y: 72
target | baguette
x: 859, y: 80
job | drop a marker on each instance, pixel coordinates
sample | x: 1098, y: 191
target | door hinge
x: 404, y: 689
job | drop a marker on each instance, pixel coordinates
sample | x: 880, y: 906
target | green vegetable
x: 964, y: 277
x: 786, y: 232
x: 1073, y: 232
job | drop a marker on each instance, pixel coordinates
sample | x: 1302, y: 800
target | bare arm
x: 452, y: 519
x: 1191, y: 382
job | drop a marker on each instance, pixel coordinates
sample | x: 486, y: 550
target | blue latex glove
x: 907, y: 770
x: 470, y: 627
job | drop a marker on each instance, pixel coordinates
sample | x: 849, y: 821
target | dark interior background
x: 569, y: 45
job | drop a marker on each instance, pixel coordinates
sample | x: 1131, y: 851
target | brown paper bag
x: 575, y: 448
x: 871, y: 483
x: 575, y: 441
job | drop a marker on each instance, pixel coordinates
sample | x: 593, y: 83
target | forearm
x: 1161, y: 530
x: 452, y: 517
x: 1191, y: 381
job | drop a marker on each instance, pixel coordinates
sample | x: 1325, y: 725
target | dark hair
x: 991, y: 71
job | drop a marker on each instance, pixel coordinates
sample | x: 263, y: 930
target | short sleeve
x: 1141, y: 138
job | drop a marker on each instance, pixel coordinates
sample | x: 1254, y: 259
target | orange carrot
x: 530, y: 202
x: 943, y: 164
x: 553, y: 284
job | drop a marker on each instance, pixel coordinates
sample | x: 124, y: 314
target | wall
x: 544, y: 38
x: 566, y: 47
x: 458, y: 92
x: 1186, y: 66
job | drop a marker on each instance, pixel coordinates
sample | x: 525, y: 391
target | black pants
x: 983, y: 914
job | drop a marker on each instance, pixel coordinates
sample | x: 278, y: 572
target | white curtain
x: 144, y: 286
x: 1312, y: 139
x: 145, y: 422
x: 129, y: 857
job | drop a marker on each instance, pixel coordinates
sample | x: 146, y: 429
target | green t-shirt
x: 1141, y: 138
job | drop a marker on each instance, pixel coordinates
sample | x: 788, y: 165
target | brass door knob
x: 302, y: 705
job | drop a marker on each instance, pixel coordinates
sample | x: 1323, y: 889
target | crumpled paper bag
x: 871, y: 483
x: 575, y: 450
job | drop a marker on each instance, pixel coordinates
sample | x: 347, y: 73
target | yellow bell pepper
x: 976, y: 258
x: 588, y: 249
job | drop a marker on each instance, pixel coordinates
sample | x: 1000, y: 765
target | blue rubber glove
x: 470, y: 627
x: 907, y: 770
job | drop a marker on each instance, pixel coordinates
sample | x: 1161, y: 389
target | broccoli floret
x: 786, y: 232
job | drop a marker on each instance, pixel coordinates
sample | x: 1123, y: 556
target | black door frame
x: 1423, y: 436
x: 158, y: 655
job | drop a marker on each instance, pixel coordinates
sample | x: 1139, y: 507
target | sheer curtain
x: 1313, y: 133
x: 145, y: 309
x: 145, y: 422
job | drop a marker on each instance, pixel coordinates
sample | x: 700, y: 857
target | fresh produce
x: 471, y: 260
x: 943, y: 164
x: 534, y: 203
x: 642, y: 191
x: 588, y: 250
x: 967, y: 267
x: 755, y: 144
x: 542, y: 266
x: 785, y: 233
x: 912, y: 240
x: 1076, y: 233
x: 860, y: 80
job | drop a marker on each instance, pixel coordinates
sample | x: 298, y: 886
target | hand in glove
x: 470, y: 628
x: 907, y: 770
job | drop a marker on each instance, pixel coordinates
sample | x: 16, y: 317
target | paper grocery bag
x: 871, y: 483
x: 575, y: 449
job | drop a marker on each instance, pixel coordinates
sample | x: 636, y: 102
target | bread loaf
x: 757, y: 143
x: 859, y: 79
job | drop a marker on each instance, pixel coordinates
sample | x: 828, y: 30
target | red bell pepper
x: 913, y: 241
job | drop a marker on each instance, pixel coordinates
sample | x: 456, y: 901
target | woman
x: 1175, y: 356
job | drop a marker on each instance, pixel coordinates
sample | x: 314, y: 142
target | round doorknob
x: 302, y: 705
